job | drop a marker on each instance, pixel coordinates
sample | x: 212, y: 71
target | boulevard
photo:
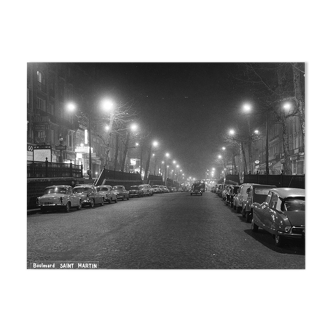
x: 165, y: 231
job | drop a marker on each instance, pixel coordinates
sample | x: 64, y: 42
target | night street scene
x: 165, y: 166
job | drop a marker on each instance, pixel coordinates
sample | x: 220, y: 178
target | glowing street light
x: 246, y: 108
x: 223, y: 148
x: 287, y: 106
x: 231, y: 132
x: 256, y: 132
x: 106, y: 105
x: 71, y: 107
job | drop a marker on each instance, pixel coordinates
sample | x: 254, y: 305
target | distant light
x: 155, y: 143
x: 174, y: 161
x: 137, y: 144
x: 220, y: 156
x: 107, y: 127
x: 223, y: 148
x: 256, y: 132
x: 96, y: 173
x: 167, y: 154
x: 232, y: 132
x: 213, y: 168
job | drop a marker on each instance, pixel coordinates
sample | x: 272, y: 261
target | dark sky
x: 187, y: 106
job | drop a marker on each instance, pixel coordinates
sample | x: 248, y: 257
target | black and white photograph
x: 166, y: 165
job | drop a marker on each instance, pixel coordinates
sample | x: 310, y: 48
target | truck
x: 197, y: 188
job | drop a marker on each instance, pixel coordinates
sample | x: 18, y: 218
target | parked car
x: 146, y: 189
x: 108, y: 193
x: 282, y: 214
x: 241, y: 197
x: 232, y: 191
x: 197, y: 188
x: 135, y: 191
x: 121, y: 192
x: 219, y: 189
x: 164, y: 189
x: 257, y: 193
x: 224, y: 192
x: 89, y: 195
x: 59, y: 197
x: 156, y: 189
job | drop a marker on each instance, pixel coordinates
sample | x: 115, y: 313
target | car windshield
x: 102, y: 189
x: 262, y: 191
x: 117, y: 188
x: 155, y: 186
x: 55, y: 190
x: 294, y: 204
x: 134, y: 187
x: 82, y: 190
x: 236, y: 190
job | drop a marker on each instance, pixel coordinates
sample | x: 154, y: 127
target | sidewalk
x: 31, y: 211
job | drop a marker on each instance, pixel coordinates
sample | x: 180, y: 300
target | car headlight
x: 288, y: 228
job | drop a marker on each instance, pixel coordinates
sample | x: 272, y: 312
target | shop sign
x: 83, y: 149
x: 40, y: 153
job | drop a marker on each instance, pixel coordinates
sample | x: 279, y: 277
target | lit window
x: 39, y: 77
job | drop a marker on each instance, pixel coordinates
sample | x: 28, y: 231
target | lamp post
x: 166, y: 166
x: 153, y: 144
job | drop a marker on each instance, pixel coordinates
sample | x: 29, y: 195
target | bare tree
x: 272, y: 85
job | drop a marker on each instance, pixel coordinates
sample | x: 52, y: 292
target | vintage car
x: 89, y: 195
x: 146, y: 189
x: 108, y: 193
x: 232, y: 191
x: 121, y: 192
x: 257, y: 193
x: 156, y: 189
x: 164, y: 189
x: 135, y: 191
x: 59, y: 197
x: 241, y: 198
x: 282, y: 214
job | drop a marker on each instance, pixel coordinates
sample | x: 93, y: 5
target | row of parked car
x: 280, y: 211
x: 65, y: 197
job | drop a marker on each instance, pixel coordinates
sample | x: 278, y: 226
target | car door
x: 74, y: 199
x: 263, y: 211
x: 270, y: 212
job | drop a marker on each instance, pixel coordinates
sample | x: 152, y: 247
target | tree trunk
x: 285, y: 142
x: 244, y: 158
x: 125, y: 151
x: 147, y: 166
x: 116, y: 150
x: 299, y: 98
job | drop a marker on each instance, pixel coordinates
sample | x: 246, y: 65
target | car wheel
x: 254, y: 227
x: 92, y: 203
x: 243, y: 212
x: 102, y: 202
x: 191, y: 194
x: 67, y: 207
x: 43, y: 210
x: 79, y: 207
x: 278, y: 240
x: 116, y: 200
x: 127, y: 198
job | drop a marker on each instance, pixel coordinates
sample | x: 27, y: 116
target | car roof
x: 84, y: 185
x: 289, y: 192
x: 60, y: 185
x: 263, y: 185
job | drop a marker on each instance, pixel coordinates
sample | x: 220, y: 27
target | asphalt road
x: 165, y: 231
